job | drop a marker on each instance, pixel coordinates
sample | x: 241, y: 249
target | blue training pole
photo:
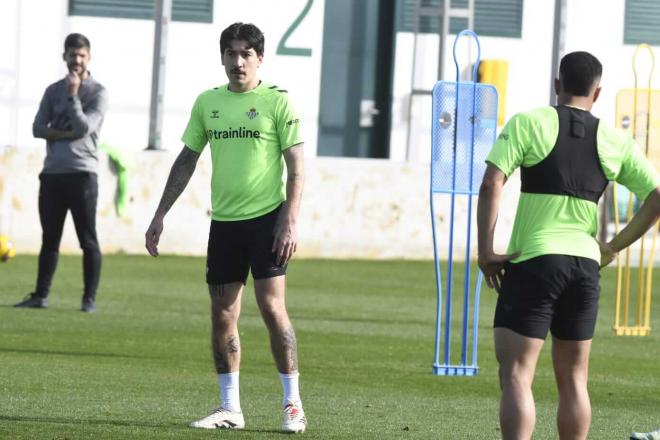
x: 454, y: 149
x: 466, y: 285
x: 475, y: 331
x: 450, y: 263
x: 438, y: 287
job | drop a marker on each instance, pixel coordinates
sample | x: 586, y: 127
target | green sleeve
x: 508, y: 151
x: 195, y: 134
x: 288, y: 124
x: 637, y: 173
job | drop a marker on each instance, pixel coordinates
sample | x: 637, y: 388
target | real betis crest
x: 253, y: 113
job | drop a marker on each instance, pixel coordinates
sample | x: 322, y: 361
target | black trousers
x: 59, y: 193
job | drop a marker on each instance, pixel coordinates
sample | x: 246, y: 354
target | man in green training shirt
x: 550, y: 279
x: 252, y: 130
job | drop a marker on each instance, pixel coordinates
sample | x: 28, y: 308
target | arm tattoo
x: 294, y: 176
x: 295, y: 169
x: 180, y: 174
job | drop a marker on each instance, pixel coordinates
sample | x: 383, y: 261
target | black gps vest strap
x: 573, y: 167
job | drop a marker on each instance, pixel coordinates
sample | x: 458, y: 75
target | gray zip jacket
x: 83, y: 114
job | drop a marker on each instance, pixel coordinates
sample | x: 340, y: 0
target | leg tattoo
x: 216, y: 290
x: 232, y: 344
x: 222, y: 352
x: 219, y: 358
x: 225, y: 341
x: 289, y: 350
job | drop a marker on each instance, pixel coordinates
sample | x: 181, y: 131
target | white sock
x: 290, y: 388
x: 229, y: 396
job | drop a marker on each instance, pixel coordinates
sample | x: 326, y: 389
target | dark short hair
x: 578, y: 71
x: 243, y: 31
x: 76, y: 41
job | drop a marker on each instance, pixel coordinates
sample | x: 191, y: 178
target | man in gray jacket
x: 69, y: 118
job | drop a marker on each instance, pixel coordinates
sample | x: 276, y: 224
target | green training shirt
x: 558, y: 224
x: 247, y: 133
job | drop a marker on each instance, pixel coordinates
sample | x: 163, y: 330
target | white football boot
x: 221, y: 418
x: 294, y: 418
x: 654, y: 435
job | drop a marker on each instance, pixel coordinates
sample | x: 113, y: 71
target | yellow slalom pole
x: 647, y: 137
x: 648, y: 95
x: 617, y: 310
x: 640, y: 283
x: 626, y: 273
x: 649, y: 280
x: 643, y: 297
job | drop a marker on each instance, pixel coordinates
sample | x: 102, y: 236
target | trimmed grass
x: 141, y: 366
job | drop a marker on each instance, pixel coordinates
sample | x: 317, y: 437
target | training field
x: 141, y: 366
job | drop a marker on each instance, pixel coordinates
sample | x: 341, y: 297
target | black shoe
x: 33, y: 301
x: 88, y: 305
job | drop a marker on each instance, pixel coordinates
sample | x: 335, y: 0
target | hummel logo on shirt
x: 214, y: 114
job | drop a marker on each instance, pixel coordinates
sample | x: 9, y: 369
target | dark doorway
x: 356, y: 78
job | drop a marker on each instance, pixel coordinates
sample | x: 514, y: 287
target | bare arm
x: 490, y: 193
x: 642, y: 221
x: 182, y: 169
x: 286, y: 229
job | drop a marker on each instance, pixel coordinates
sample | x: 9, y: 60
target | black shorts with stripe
x: 556, y: 292
x: 236, y: 247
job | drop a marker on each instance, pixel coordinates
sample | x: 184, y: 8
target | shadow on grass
x: 72, y: 421
x: 361, y: 320
x: 72, y: 353
x: 43, y: 309
x: 110, y: 422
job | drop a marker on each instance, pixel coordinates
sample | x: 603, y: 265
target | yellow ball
x: 7, y: 249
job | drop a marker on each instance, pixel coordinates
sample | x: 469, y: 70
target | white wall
x: 603, y: 37
x: 31, y: 59
x: 590, y: 26
x: 352, y: 208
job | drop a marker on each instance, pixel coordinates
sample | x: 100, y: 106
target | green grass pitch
x: 140, y: 368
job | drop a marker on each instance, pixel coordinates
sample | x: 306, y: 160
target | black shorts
x: 556, y: 292
x: 235, y: 247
